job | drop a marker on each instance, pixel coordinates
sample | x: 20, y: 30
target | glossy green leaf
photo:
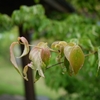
x: 75, y: 56
x: 67, y: 50
x: 76, y: 59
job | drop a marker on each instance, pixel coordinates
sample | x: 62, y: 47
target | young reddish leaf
x: 45, y: 52
x: 39, y: 55
x: 26, y: 46
x: 35, y: 57
x: 12, y: 57
x: 45, y: 55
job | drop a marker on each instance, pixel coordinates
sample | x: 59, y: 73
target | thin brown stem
x: 91, y: 53
x: 54, y: 65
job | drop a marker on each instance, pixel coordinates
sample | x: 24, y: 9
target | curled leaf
x: 12, y: 57
x: 59, y: 45
x: 23, y: 41
x: 25, y: 70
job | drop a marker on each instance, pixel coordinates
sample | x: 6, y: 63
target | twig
x: 54, y: 65
x: 90, y: 53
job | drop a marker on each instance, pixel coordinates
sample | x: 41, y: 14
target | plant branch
x: 91, y: 53
x: 54, y: 65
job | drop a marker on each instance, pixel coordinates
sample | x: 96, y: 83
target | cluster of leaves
x: 28, y: 17
x: 90, y: 8
x: 85, y: 32
x: 69, y: 55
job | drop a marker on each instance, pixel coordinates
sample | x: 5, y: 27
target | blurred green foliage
x: 90, y: 8
x: 28, y: 17
x: 6, y: 38
x: 84, y: 31
x: 5, y: 23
